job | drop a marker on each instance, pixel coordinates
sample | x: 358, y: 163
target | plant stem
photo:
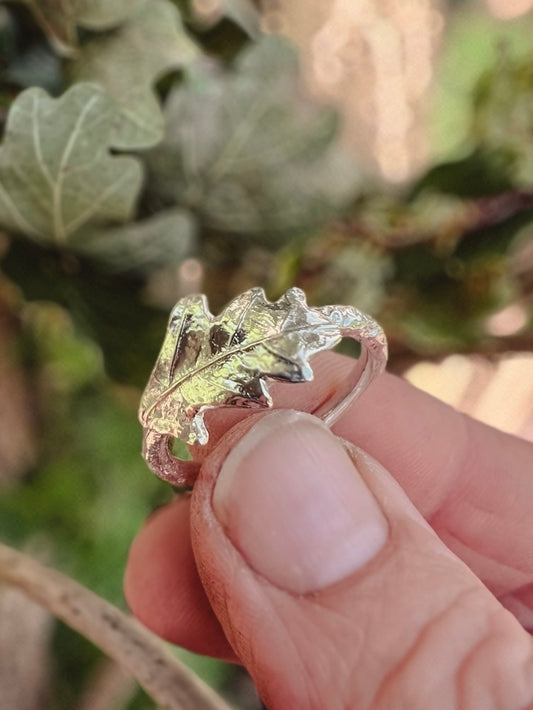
x: 140, y: 652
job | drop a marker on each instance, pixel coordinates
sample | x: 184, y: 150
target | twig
x: 170, y: 683
x: 26, y: 630
x: 110, y: 688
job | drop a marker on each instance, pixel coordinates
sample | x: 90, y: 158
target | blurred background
x: 374, y: 153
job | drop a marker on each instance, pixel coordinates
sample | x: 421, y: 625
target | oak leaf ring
x: 209, y: 361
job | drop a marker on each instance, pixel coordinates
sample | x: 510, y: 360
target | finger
x: 162, y: 587
x: 333, y: 590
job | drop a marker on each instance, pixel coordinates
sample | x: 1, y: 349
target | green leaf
x: 469, y: 50
x: 503, y: 114
x: 162, y: 240
x: 248, y: 151
x: 56, y: 173
x: 128, y: 61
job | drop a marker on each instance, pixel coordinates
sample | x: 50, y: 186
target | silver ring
x: 209, y: 361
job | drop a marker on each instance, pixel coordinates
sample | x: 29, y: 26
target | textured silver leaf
x: 212, y: 361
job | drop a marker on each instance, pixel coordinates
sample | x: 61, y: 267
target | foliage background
x: 153, y: 148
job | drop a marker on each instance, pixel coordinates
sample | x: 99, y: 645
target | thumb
x: 332, y: 589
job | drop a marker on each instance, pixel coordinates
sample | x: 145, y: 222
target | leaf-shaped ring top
x: 209, y: 361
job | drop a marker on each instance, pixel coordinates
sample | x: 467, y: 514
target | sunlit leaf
x: 503, y: 114
x: 128, y: 61
x: 473, y: 39
x: 56, y: 173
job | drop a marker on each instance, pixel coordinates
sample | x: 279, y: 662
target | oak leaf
x: 129, y: 61
x: 209, y: 361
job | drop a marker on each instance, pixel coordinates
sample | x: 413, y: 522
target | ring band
x: 209, y: 361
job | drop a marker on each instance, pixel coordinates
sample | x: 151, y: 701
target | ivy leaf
x: 127, y: 62
x: 56, y: 173
x: 142, y: 247
x: 208, y: 361
x: 248, y: 152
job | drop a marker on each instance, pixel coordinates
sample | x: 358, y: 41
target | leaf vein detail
x: 194, y: 372
x: 60, y: 230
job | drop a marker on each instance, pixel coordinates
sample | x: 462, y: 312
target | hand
x: 301, y: 557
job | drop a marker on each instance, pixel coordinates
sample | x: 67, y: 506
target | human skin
x: 391, y: 567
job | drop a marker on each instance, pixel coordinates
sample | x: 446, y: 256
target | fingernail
x: 293, y: 502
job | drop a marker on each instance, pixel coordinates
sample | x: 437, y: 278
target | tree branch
x: 170, y: 683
